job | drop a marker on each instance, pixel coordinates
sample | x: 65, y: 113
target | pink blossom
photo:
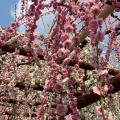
x: 35, y: 1
x: 110, y: 97
x: 64, y: 36
x: 47, y: 86
x: 70, y: 81
x: 75, y: 117
x: 109, y: 118
x: 76, y: 66
x: 77, y: 49
x: 96, y: 90
x: 2, y: 42
x: 99, y: 36
x: 64, y: 94
x: 73, y: 104
x: 32, y: 7
x: 65, y: 80
x: 68, y: 28
x: 66, y: 53
x: 44, y: 99
x: 67, y: 43
x: 61, y: 109
x: 10, y: 30
x: 61, y: 52
x: 72, y: 3
x: 95, y: 10
x: 34, y: 26
x: 111, y: 87
x: 98, y: 111
x: 93, y: 25
x: 66, y: 61
x: 105, y: 90
x: 76, y: 40
x: 28, y: 23
x: 75, y: 8
x: 70, y: 95
x: 101, y: 72
x: 75, y: 110
x: 82, y: 16
x: 91, y: 2
x: 58, y: 87
x: 64, y: 72
x: 77, y: 57
x: 20, y: 17
x: 57, y: 100
x: 74, y: 24
x: 117, y: 9
x: 15, y: 24
x: 68, y: 117
x: 100, y: 21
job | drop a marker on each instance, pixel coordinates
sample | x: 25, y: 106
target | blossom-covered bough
x: 56, y: 76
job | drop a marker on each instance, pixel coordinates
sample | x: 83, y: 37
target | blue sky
x: 5, y: 12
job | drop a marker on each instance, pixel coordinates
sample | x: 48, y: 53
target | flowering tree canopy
x: 56, y: 75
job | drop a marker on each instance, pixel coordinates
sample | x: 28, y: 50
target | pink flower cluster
x: 58, y: 87
x: 64, y: 37
x: 61, y: 109
x: 100, y: 72
x: 68, y: 28
x: 93, y: 25
x: 63, y: 53
x: 15, y: 25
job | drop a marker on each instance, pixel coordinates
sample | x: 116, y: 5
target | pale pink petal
x: 69, y: 117
x: 96, y: 90
x: 105, y: 90
x: 102, y: 72
x: 110, y: 118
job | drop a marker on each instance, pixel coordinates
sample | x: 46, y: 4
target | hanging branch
x: 115, y: 16
x: 109, y: 31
